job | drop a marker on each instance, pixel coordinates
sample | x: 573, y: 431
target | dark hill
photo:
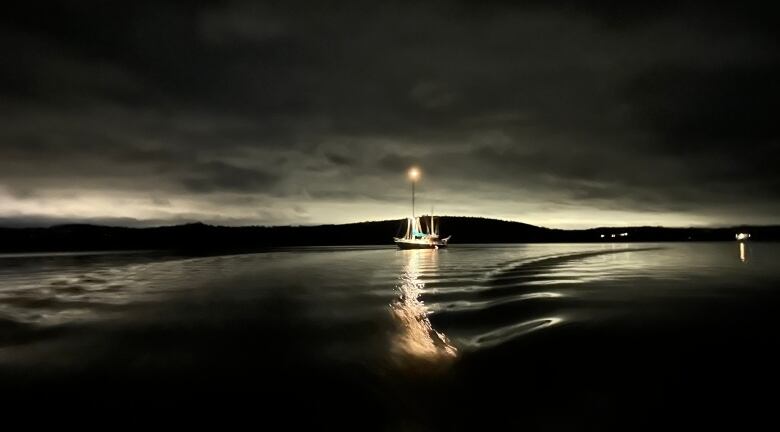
x: 201, y: 237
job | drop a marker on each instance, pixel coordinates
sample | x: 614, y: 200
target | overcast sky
x: 548, y: 112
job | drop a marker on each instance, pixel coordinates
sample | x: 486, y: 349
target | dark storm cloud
x: 739, y: 102
x: 665, y: 107
x: 219, y: 176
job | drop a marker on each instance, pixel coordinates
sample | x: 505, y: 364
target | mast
x: 414, y: 174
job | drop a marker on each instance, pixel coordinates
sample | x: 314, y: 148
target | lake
x: 522, y: 337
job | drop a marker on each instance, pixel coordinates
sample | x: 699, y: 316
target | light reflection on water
x: 417, y: 338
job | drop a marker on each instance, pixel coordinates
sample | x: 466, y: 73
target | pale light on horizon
x: 66, y: 205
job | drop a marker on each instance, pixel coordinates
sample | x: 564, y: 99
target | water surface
x: 533, y: 337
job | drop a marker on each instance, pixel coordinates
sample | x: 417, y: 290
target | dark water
x: 522, y: 337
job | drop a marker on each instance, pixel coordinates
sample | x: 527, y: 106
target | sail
x: 418, y: 231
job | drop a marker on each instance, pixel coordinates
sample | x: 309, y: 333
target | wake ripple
x: 519, y: 298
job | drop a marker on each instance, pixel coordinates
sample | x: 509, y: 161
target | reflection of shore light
x: 417, y: 338
x: 742, y: 255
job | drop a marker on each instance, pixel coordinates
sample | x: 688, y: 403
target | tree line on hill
x: 464, y: 230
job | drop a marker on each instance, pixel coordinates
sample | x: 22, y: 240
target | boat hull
x: 412, y: 244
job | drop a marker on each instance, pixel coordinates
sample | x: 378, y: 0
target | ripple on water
x: 508, y: 333
x: 464, y: 305
x: 517, y: 297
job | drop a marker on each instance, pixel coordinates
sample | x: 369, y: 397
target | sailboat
x: 415, y: 236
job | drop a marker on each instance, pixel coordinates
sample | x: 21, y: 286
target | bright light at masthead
x: 414, y: 173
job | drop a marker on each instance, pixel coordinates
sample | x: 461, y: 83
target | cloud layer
x: 563, y: 114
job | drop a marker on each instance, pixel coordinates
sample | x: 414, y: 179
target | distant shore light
x: 414, y: 173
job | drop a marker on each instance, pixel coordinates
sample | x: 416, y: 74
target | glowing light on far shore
x: 414, y: 173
